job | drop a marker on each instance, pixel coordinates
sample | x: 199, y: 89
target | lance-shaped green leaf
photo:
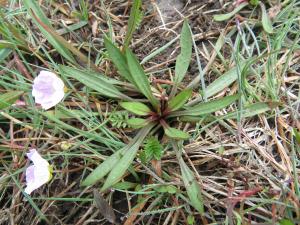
x: 265, y: 20
x: 4, y: 53
x: 69, y: 114
x: 113, y: 161
x: 184, y: 58
x: 139, y: 77
x: 8, y: 98
x: 286, y: 222
x: 254, y: 2
x: 207, y: 107
x: 120, y: 168
x: 248, y: 111
x: 252, y: 110
x: 297, y: 135
x: 104, y: 168
x: 137, y: 108
x: 179, y: 100
x: 192, y: 187
x: 223, y: 81
x: 134, y: 21
x: 95, y: 82
x: 118, y: 59
x: 174, y: 133
x: 227, y: 16
x: 137, y: 122
x: 33, y: 8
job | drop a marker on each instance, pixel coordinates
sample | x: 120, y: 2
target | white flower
x: 48, y: 89
x: 37, y: 174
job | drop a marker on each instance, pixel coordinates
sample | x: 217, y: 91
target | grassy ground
x: 247, y: 165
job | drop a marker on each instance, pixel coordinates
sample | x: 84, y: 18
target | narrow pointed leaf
x: 9, y: 98
x: 118, y: 59
x: 252, y: 110
x: 139, y: 77
x: 248, y: 111
x: 137, y: 108
x: 95, y: 82
x: 184, y: 58
x: 4, y: 53
x: 297, y: 135
x: 9, y: 45
x: 223, y: 81
x: 104, y: 168
x: 133, y: 22
x: 265, y: 20
x: 137, y: 122
x: 286, y: 222
x: 175, y: 133
x: 207, y: 107
x: 179, y: 100
x: 227, y: 16
x: 120, y: 168
x: 192, y: 187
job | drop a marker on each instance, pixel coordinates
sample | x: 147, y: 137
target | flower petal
x: 47, y: 89
x: 36, y: 158
x: 37, y: 174
x: 54, y: 100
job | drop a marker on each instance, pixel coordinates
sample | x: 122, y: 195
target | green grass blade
x: 265, y: 20
x: 158, y: 51
x: 227, y: 16
x: 4, y: 53
x: 34, y: 9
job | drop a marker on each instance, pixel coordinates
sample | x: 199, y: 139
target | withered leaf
x: 105, y: 209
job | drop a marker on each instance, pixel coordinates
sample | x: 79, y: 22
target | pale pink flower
x: 48, y: 89
x: 37, y: 174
